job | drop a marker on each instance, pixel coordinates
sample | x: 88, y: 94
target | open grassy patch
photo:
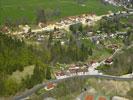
x: 15, y: 10
x: 19, y: 75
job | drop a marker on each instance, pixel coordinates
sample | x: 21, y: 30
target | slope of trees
x: 109, y: 25
x: 128, y: 40
x: 15, y: 55
x: 74, y: 50
x: 123, y: 62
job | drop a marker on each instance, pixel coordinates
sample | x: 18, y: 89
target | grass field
x: 18, y: 9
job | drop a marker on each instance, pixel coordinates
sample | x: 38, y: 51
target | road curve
x: 39, y: 86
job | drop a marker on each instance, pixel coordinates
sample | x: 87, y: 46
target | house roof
x: 60, y: 73
x: 109, y: 60
x: 102, y: 98
x: 89, y: 97
x: 50, y: 85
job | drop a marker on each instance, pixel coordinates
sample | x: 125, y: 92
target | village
x: 76, y: 56
x: 59, y: 29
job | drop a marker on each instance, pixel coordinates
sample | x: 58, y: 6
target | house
x: 78, y: 70
x: 109, y: 61
x: 92, y: 62
x: 50, y: 86
x: 60, y: 75
x: 89, y: 97
x: 85, y: 70
x: 102, y: 98
x: 96, y: 97
x: 73, y: 71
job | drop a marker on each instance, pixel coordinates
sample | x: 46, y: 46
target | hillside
x: 14, y: 11
x: 15, y: 55
x: 65, y: 48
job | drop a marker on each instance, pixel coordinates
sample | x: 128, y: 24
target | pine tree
x: 48, y: 73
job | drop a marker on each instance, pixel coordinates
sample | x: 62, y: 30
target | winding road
x: 37, y: 87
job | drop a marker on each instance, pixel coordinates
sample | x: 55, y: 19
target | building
x: 50, y: 86
x: 109, y: 61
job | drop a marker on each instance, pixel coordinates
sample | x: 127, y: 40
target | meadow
x: 16, y: 10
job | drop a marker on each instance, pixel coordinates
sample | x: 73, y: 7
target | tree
x: 128, y: 38
x: 11, y: 86
x: 71, y: 28
x: 48, y: 73
x: 84, y: 52
x: 50, y: 40
x: 57, y: 12
x: 130, y: 93
x: 2, y: 83
x: 90, y: 51
x: 76, y: 28
x: 41, y: 16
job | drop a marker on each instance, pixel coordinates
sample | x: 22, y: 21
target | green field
x: 15, y: 10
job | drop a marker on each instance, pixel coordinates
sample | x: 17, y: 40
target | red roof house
x: 89, y: 97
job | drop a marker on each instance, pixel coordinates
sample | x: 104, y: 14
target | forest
x: 15, y: 55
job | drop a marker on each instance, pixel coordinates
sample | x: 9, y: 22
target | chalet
x: 60, y: 75
x: 50, y: 86
x: 89, y: 97
x: 92, y: 62
x: 78, y: 70
x: 96, y: 97
x: 73, y: 71
x: 109, y: 61
x: 84, y: 70
x: 102, y: 98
